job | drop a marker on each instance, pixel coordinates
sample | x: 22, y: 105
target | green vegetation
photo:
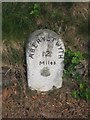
x: 72, y: 59
x: 20, y: 19
x: 36, y: 10
x: 83, y: 91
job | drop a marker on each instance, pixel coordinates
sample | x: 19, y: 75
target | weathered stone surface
x: 44, y: 57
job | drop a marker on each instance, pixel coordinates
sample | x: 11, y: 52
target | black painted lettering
x: 34, y: 45
x: 41, y: 62
x: 38, y: 41
x: 60, y: 56
x: 52, y: 39
x: 47, y: 62
x: 58, y: 43
x: 51, y: 63
x: 48, y: 54
x: 60, y: 48
x: 43, y: 54
x: 32, y: 50
x: 62, y: 51
x: 54, y: 63
x: 31, y: 55
x: 43, y: 38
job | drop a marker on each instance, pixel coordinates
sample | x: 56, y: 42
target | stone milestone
x: 44, y: 57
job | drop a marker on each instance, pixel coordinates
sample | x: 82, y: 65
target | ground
x: 70, y: 21
x: 54, y: 104
x: 20, y: 102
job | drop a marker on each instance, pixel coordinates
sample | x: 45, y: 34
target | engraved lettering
x: 60, y: 48
x: 58, y: 43
x: 60, y: 56
x: 41, y: 62
x: 46, y: 54
x: 31, y: 55
x: 38, y: 41
x: 51, y: 63
x: 52, y: 39
x: 43, y: 54
x: 43, y: 38
x: 32, y: 50
x: 61, y: 51
x: 47, y: 62
x: 34, y: 45
x: 54, y: 62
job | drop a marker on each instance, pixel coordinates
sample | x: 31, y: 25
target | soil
x: 19, y: 101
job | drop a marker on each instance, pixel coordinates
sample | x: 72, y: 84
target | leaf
x: 77, y: 76
x: 36, y: 6
x: 31, y: 12
x: 88, y: 93
x: 75, y: 94
x: 79, y: 55
x: 75, y: 60
x: 81, y: 86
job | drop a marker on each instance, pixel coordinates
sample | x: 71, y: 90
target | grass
x: 19, y: 19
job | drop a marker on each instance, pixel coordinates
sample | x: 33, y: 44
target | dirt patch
x: 58, y: 103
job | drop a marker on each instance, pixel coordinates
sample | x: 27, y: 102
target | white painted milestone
x: 44, y: 57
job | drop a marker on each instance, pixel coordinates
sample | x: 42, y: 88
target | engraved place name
x: 35, y: 44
